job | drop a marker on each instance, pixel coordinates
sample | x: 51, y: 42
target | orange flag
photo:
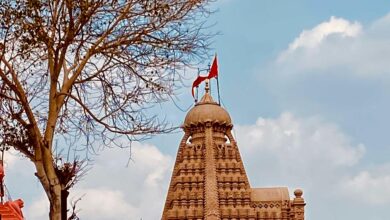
x: 196, y: 83
x: 212, y: 73
x: 214, y: 69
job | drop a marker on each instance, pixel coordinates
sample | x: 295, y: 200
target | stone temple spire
x: 209, y: 180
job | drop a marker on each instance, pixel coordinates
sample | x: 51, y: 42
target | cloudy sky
x: 307, y: 84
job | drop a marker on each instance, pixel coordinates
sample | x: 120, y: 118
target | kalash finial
x: 206, y: 97
x: 207, y: 88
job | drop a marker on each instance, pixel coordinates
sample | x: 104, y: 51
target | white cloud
x: 113, y: 191
x: 300, y: 152
x: 97, y: 203
x: 134, y: 192
x: 335, y: 26
x: 297, y: 152
x: 338, y: 46
x: 370, y: 186
x: 317, y: 156
x: 104, y: 203
x: 38, y: 209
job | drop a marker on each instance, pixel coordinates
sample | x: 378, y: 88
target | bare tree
x: 79, y: 74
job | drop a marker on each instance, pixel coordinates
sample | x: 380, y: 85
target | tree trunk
x: 64, y: 204
x: 55, y: 202
x: 50, y: 184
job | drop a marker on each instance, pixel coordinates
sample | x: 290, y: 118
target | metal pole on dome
x: 217, y: 76
x: 219, y: 98
x: 208, y: 70
x: 207, y: 86
x: 197, y: 88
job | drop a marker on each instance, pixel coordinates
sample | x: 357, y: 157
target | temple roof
x: 207, y: 110
x: 270, y: 194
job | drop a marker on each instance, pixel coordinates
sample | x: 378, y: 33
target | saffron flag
x: 214, y: 69
x: 212, y: 73
x: 196, y: 83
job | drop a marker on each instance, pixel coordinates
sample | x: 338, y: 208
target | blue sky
x: 307, y: 84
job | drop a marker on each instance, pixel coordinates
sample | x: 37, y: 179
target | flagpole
x: 197, y: 89
x: 219, y: 98
x: 209, y: 80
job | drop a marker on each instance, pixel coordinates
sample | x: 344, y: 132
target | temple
x: 10, y: 209
x: 209, y: 179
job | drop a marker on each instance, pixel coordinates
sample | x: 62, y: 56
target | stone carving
x: 209, y: 179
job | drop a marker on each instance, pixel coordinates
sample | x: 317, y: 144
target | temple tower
x: 209, y: 180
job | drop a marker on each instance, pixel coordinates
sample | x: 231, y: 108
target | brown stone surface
x: 209, y: 180
x: 270, y: 194
x: 207, y: 111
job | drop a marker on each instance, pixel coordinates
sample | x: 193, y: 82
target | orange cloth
x: 17, y: 206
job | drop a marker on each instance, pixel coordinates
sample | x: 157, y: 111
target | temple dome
x: 207, y: 110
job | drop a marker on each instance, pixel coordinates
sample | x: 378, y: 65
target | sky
x: 307, y: 84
